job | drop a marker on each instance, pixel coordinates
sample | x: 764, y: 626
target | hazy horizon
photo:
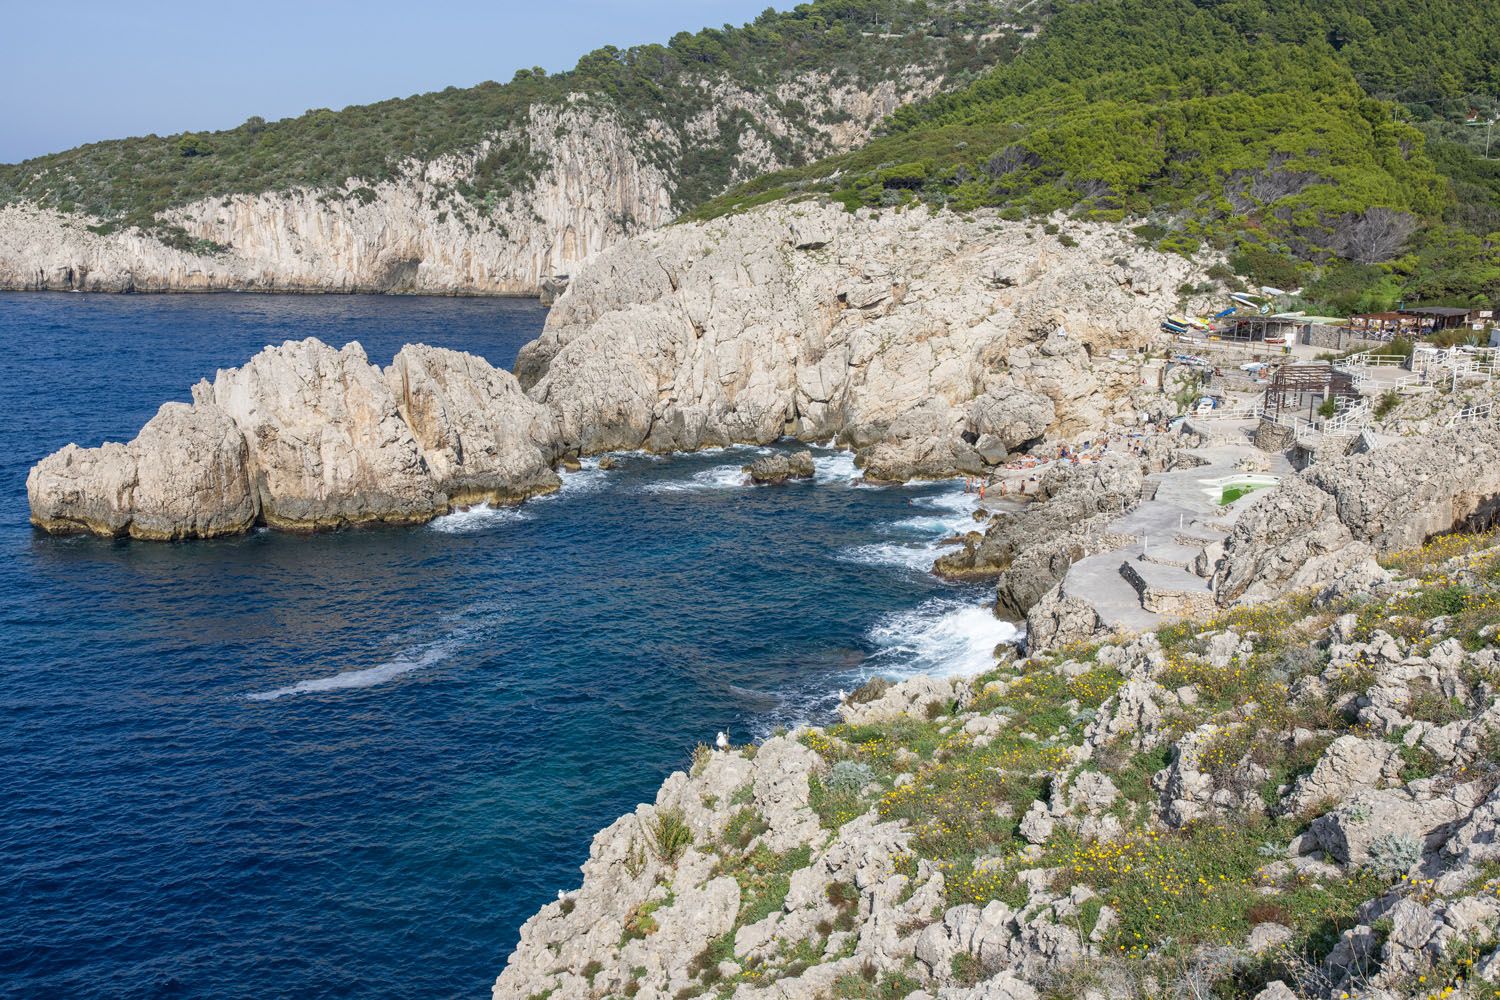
x: 166, y: 67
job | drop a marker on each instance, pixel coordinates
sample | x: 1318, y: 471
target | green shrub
x: 668, y: 835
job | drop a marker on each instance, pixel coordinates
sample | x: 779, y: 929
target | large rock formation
x: 186, y: 475
x: 929, y: 343
x: 483, y: 439
x: 598, y: 179
x: 1343, y: 511
x: 1030, y: 549
x: 307, y: 438
x: 329, y: 448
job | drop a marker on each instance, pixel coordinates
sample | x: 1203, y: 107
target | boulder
x: 185, y: 475
x: 776, y: 469
x: 1349, y: 764
x: 1424, y: 811
x: 1009, y: 419
x: 1322, y: 528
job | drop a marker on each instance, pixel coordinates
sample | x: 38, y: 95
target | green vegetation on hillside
x: 858, y: 42
x: 1261, y: 719
x: 1269, y: 129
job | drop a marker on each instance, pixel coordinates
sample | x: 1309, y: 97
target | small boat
x: 1276, y: 341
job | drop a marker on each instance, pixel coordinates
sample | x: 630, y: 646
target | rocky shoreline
x: 1306, y: 783
x: 930, y: 345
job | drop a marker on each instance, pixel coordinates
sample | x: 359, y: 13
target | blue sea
x: 354, y: 764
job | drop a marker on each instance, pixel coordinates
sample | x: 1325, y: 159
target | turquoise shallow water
x: 352, y: 765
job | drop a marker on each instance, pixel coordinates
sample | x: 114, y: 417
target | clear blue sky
x: 89, y: 70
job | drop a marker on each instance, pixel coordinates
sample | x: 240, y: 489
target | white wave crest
x: 941, y: 637
x: 919, y: 557
x: 588, y: 479
x: 369, y: 677
x: 838, y: 467
x: 956, y: 501
x: 478, y: 518
x: 952, y: 514
x: 720, y: 477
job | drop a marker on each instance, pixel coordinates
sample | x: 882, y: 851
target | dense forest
x: 127, y: 182
x: 1319, y: 144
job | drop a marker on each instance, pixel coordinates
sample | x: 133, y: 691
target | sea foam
x: 942, y: 637
x: 720, y: 477
x: 477, y: 518
x: 369, y: 677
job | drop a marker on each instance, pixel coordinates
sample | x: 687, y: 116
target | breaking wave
x: 720, y: 477
x: 477, y: 518
x: 942, y: 637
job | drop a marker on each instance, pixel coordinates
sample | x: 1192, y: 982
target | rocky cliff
x: 597, y: 179
x: 930, y: 343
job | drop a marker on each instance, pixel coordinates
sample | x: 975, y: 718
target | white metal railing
x: 1473, y: 414
x: 1247, y: 411
x: 1372, y: 359
x: 1349, y: 419
x: 1347, y: 422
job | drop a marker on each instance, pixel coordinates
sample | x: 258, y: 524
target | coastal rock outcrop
x: 483, y: 439
x: 594, y: 178
x: 930, y: 344
x: 1029, y: 550
x: 1341, y: 512
x: 773, y: 469
x: 304, y: 438
x: 329, y: 448
x: 185, y: 475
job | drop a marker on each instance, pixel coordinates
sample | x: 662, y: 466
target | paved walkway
x: 1167, y: 533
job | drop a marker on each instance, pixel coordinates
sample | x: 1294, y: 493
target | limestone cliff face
x: 597, y: 181
x: 930, y: 343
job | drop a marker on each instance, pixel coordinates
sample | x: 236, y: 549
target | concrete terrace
x: 1149, y: 581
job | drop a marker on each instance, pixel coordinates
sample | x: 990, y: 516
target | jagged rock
x: 1135, y: 710
x: 1009, y: 420
x: 910, y: 697
x: 1091, y: 791
x: 186, y: 475
x: 483, y: 439
x: 1060, y: 619
x: 885, y: 336
x: 1349, y: 764
x: 1036, y: 826
x: 773, y: 469
x: 1289, y: 540
x: 1031, y: 549
x: 304, y: 437
x: 1277, y: 990
x: 1334, y: 517
x: 1423, y: 810
x: 328, y: 446
x: 1477, y: 839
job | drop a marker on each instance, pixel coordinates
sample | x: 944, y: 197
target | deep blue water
x: 352, y: 765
